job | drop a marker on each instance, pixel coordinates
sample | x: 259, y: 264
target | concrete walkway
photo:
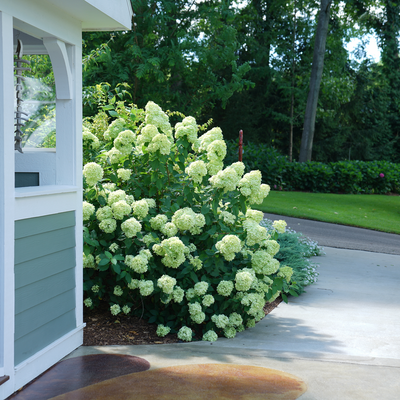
x: 342, y: 337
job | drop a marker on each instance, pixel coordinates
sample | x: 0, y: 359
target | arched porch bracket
x: 62, y: 70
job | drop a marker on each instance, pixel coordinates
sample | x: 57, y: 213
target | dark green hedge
x: 367, y: 177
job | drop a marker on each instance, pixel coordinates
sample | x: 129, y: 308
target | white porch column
x: 6, y: 203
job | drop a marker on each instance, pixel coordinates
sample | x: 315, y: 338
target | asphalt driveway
x: 344, y: 237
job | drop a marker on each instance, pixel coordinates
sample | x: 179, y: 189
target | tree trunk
x: 315, y: 81
x: 293, y: 83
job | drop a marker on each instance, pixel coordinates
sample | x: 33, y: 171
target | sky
x: 372, y: 49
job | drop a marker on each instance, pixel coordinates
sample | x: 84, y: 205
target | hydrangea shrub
x: 169, y: 233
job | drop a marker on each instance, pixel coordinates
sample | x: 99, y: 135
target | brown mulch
x: 104, y: 329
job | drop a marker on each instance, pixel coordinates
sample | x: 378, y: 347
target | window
x: 36, y: 95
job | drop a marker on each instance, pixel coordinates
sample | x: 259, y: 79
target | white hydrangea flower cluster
x: 115, y: 309
x: 88, y: 210
x: 118, y: 291
x: 89, y: 139
x: 169, y: 229
x: 227, y: 217
x: 227, y: 179
x: 124, y: 142
x: 178, y: 294
x: 279, y: 226
x: 272, y: 247
x: 263, y: 263
x: 213, y: 167
x: 116, y: 196
x: 172, y: 251
x: 216, y: 151
x: 88, y: 261
x: 151, y: 203
x: 261, y: 286
x: 190, y: 293
x: 133, y: 284
x: 88, y: 302
x: 229, y: 332
x: 186, y: 219
x: 205, y: 140
x: 251, y: 187
x: 188, y: 127
x: 225, y: 288
x: 114, y: 155
x: 196, y: 313
x: 256, y: 302
x: 208, y: 300
x: 235, y: 319
x: 160, y: 143
x: 120, y: 209
x: 185, y: 334
x: 147, y: 134
x: 254, y: 215
x: 285, y: 272
x: 95, y: 289
x: 93, y: 173
x: 110, y: 186
x: 131, y: 227
x: 197, y: 170
x: 239, y: 167
x: 124, y: 174
x: 228, y: 246
x: 210, y: 336
x: 140, y: 262
x: 196, y: 262
x: 255, y: 233
x: 108, y: 225
x: 157, y: 117
x: 201, y: 288
x: 114, y: 129
x: 244, y: 279
x: 221, y: 320
x: 140, y: 209
x: 158, y: 221
x: 126, y: 309
x: 104, y: 213
x: 146, y: 287
x: 166, y: 283
x: 163, y: 330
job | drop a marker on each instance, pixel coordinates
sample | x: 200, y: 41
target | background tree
x: 247, y: 65
x: 180, y: 54
x: 315, y: 81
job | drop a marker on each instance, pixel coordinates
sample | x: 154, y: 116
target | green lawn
x: 378, y: 212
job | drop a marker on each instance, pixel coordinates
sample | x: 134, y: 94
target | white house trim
x: 44, y: 359
x: 45, y: 202
x: 7, y: 203
x: 61, y: 67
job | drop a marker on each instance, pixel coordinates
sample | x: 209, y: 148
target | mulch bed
x: 104, y: 329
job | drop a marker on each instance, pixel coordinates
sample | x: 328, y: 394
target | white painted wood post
x: 7, y: 302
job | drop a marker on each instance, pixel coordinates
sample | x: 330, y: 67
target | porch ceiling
x: 96, y: 15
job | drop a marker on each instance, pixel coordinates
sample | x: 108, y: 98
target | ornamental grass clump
x: 169, y: 233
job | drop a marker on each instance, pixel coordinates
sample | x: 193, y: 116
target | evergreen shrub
x: 169, y: 233
x: 356, y: 177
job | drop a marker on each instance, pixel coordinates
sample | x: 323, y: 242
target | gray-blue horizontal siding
x: 44, y: 282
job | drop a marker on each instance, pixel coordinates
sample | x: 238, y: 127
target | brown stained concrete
x: 76, y: 373
x: 196, y: 382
